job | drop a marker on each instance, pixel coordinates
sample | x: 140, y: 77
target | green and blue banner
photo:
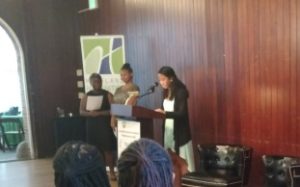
x: 104, y: 55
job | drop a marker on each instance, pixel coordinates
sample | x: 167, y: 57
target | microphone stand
x: 148, y: 92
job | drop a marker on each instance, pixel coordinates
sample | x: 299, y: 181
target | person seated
x: 180, y: 167
x: 145, y: 163
x: 78, y: 164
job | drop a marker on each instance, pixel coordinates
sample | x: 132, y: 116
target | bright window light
x: 93, y: 4
x: 10, y: 95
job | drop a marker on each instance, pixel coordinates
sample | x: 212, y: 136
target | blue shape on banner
x: 117, y: 42
x: 104, y: 69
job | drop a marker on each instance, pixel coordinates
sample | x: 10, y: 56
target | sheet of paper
x: 94, y: 103
x: 132, y: 98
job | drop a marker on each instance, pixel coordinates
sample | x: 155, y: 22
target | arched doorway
x: 14, y: 98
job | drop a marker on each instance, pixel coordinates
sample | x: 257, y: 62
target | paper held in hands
x: 132, y: 97
x: 94, y: 103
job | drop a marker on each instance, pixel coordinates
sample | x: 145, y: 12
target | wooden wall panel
x: 239, y: 59
x: 48, y: 32
x: 53, y: 56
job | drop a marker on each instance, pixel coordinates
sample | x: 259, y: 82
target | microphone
x: 152, y: 87
x: 149, y: 90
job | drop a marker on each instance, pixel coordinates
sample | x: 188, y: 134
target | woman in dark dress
x: 99, y: 131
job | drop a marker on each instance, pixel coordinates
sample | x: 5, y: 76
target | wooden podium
x: 142, y: 122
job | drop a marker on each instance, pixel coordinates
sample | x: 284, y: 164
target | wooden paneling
x: 239, y: 59
x: 48, y: 31
x: 53, y: 57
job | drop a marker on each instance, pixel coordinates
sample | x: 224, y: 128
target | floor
x: 8, y: 155
x: 30, y: 173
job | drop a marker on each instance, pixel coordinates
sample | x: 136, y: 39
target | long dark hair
x: 175, y: 84
x: 78, y: 164
x: 145, y: 163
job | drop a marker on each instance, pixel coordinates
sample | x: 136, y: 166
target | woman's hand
x: 93, y: 113
x: 132, y: 100
x: 160, y: 110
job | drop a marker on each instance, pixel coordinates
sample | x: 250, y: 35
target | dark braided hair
x: 144, y: 163
x: 78, y: 164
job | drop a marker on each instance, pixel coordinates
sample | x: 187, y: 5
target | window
x: 10, y: 94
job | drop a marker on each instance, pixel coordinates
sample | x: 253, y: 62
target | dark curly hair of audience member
x: 144, y: 163
x: 78, y: 164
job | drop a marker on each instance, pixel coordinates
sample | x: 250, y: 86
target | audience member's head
x: 144, y: 163
x: 77, y: 164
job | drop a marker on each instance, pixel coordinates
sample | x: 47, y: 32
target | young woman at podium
x: 127, y: 93
x: 95, y: 106
x: 177, y: 135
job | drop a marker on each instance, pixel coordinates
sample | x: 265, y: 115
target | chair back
x: 276, y: 170
x: 225, y: 160
x: 13, y: 121
x: 294, y: 173
x: 11, y: 125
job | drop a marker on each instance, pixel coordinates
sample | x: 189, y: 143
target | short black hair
x: 95, y: 76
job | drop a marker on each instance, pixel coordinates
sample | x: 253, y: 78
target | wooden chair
x: 294, y: 172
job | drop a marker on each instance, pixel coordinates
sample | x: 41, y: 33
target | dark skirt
x: 100, y: 133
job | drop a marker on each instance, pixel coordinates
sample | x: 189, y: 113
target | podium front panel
x: 128, y: 132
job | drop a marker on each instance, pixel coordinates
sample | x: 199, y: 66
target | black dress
x: 99, y: 131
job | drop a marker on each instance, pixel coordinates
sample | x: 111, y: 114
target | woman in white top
x: 177, y: 135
